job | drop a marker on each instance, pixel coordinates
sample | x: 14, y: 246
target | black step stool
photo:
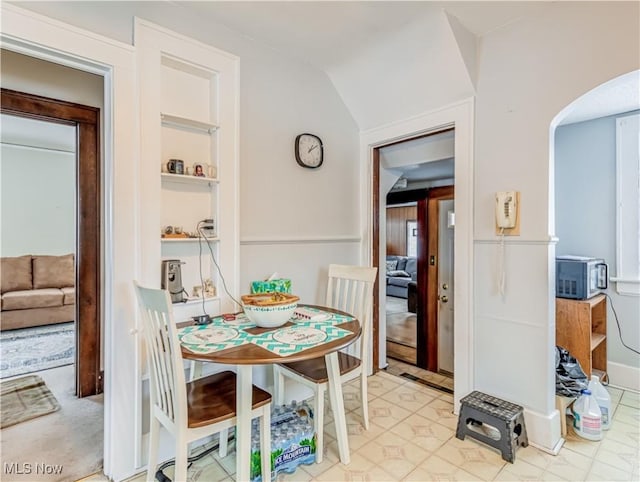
x: 478, y: 408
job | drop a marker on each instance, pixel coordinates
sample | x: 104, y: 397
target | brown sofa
x: 37, y: 290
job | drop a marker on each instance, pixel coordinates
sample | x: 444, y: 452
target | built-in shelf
x: 193, y: 301
x: 184, y: 179
x: 188, y: 240
x: 185, y: 123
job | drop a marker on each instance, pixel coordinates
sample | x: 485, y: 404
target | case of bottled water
x: 293, y: 440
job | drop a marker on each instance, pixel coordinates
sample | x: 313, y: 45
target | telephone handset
x: 506, y: 209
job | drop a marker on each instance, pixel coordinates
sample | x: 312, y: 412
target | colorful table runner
x: 221, y: 334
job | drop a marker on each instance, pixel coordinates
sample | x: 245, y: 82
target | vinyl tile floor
x: 412, y: 438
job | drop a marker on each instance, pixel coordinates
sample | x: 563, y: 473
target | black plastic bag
x: 570, y: 378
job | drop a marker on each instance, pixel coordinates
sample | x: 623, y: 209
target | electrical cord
x: 161, y: 477
x: 618, y: 325
x: 215, y: 262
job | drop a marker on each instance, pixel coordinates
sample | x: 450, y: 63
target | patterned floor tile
x: 440, y: 411
x: 520, y: 470
x: 624, y: 433
x: 473, y: 457
x: 358, y: 436
x: 409, y: 397
x: 423, y: 432
x: 630, y: 399
x: 578, y: 444
x: 396, y: 455
x: 386, y: 414
x: 436, y: 468
x: 619, y: 455
x: 211, y: 470
x: 569, y: 465
x: 382, y: 383
x: 360, y: 469
x: 604, y: 472
x: 628, y: 415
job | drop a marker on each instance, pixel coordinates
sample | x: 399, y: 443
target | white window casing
x: 627, y: 279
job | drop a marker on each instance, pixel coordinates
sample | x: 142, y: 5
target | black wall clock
x: 309, y: 151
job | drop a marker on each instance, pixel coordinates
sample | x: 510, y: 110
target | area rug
x: 25, y: 398
x: 29, y: 350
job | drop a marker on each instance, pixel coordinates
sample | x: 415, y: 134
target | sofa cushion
x: 402, y: 263
x: 397, y: 281
x: 15, y: 272
x: 412, y: 267
x: 398, y: 273
x: 69, y: 295
x: 23, y: 300
x: 53, y: 271
x: 392, y: 265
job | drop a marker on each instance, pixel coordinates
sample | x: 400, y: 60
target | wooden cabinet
x: 581, y: 328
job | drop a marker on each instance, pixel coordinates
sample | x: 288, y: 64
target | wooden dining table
x: 246, y: 355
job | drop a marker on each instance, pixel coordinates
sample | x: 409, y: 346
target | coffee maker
x: 172, y: 279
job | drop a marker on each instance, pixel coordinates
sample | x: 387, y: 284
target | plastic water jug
x: 603, y: 398
x: 587, y: 417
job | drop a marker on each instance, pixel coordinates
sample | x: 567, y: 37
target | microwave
x: 580, y: 277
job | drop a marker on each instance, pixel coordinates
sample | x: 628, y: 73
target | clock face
x: 309, y: 152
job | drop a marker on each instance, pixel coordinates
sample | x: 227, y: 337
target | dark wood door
x: 432, y: 258
x: 88, y: 255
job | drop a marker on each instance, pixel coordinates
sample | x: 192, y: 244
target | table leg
x: 337, y: 406
x: 243, y: 422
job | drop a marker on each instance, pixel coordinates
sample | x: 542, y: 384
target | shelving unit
x: 189, y: 110
x: 581, y: 328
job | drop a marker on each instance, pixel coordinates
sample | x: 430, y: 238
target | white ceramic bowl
x: 269, y: 314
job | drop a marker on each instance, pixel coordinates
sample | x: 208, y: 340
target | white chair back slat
x: 350, y: 289
x: 166, y: 370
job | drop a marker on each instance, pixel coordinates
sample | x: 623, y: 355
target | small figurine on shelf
x: 198, y: 170
x: 209, y: 288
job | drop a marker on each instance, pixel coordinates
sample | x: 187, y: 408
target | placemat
x: 221, y: 334
x: 294, y: 339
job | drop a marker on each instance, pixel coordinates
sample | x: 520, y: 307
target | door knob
x: 443, y: 298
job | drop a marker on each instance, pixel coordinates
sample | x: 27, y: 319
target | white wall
x: 38, y: 201
x: 48, y: 39
x: 25, y: 74
x: 281, y: 203
x: 419, y: 69
x: 529, y: 71
x: 40, y: 181
x: 585, y: 192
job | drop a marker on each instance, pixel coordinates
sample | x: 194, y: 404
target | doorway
x: 419, y: 230
x: 89, y: 377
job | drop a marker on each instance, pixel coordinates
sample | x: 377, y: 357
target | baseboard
x: 623, y: 376
x: 543, y: 431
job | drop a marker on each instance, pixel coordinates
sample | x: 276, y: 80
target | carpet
x: 29, y: 350
x: 25, y: 398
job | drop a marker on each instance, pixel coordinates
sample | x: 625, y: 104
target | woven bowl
x: 269, y: 310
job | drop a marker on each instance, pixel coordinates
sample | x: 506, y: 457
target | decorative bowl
x: 269, y: 310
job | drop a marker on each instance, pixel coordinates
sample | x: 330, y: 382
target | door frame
x: 459, y: 115
x: 88, y: 272
x: 432, y: 282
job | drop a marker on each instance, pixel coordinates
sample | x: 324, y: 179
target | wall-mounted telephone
x: 506, y: 209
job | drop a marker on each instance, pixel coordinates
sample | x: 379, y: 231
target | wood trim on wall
x: 397, y: 218
x: 375, y: 224
x: 88, y: 254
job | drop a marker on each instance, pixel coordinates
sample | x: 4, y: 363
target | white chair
x: 189, y: 410
x: 350, y: 289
